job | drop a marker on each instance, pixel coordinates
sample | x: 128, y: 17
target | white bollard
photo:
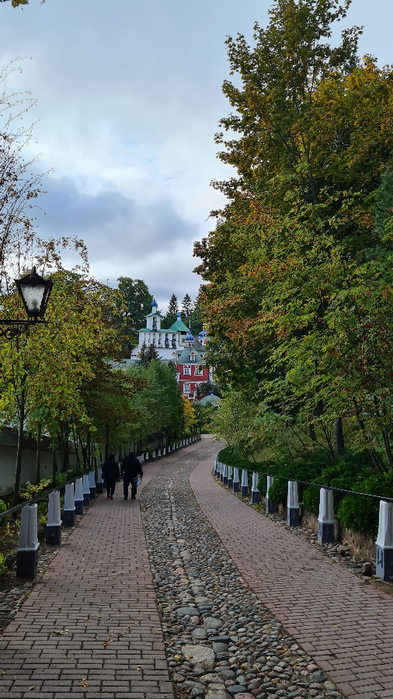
x: 230, y: 477
x: 53, y: 522
x: 326, y: 517
x: 255, y: 496
x: 270, y: 506
x: 236, y: 482
x: 164, y: 451
x: 293, y: 516
x: 79, y: 496
x: 215, y: 466
x: 244, y: 484
x: 92, y: 484
x: 86, y: 489
x: 27, y: 557
x: 69, y: 505
x: 225, y: 474
x: 158, y: 453
x: 384, y: 542
x: 153, y: 455
x: 222, y: 466
x: 146, y: 456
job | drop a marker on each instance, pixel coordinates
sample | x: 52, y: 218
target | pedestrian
x: 110, y: 472
x: 131, y: 469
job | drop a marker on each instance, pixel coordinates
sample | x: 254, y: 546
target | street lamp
x: 34, y: 292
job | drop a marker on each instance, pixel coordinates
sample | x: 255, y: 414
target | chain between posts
x: 317, y: 485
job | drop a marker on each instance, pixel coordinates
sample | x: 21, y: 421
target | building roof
x: 183, y: 356
x: 154, y: 313
x: 178, y: 327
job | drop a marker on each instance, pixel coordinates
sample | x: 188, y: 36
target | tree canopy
x: 299, y: 264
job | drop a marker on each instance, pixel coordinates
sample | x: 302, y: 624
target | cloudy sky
x: 129, y: 98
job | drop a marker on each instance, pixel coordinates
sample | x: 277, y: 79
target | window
x: 192, y: 357
x: 191, y: 396
x: 187, y: 371
x: 186, y: 388
x: 198, y: 371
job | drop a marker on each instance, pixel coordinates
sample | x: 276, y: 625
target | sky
x: 129, y: 99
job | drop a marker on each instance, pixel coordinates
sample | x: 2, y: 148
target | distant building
x: 167, y: 341
x: 191, y: 366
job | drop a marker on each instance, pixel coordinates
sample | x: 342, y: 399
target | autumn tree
x: 134, y: 303
x: 291, y: 261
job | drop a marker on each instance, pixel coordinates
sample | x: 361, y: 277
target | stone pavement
x: 90, y: 628
x: 345, y: 626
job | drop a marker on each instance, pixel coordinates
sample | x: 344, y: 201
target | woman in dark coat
x: 110, y: 473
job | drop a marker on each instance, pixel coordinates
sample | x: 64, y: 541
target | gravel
x: 220, y: 641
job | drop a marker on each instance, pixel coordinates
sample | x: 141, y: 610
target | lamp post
x: 34, y: 292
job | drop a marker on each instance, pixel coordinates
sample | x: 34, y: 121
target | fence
x: 230, y: 477
x: 77, y: 496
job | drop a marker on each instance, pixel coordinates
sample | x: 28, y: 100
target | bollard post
x: 236, y: 482
x: 326, y: 517
x: 244, y: 484
x: 168, y: 449
x: 270, y: 506
x: 384, y: 542
x: 153, y: 455
x: 225, y: 475
x: 215, y: 466
x: 255, y: 496
x: 53, y: 522
x: 86, y: 489
x: 146, y: 456
x: 293, y: 516
x: 69, y: 505
x: 158, y: 453
x: 99, y: 487
x: 27, y: 556
x: 230, y: 476
x: 79, y: 496
x: 92, y: 484
x: 164, y: 451
x: 222, y: 466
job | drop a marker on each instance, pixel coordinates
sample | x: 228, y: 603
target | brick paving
x: 91, y: 628
x: 346, y: 626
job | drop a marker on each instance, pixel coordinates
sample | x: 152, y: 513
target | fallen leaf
x: 32, y: 687
x: 139, y: 667
x: 84, y: 683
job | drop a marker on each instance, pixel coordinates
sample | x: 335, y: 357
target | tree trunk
x: 54, y: 462
x: 311, y: 429
x: 339, y: 435
x: 388, y: 448
x: 38, y: 455
x: 18, y: 465
x: 88, y: 447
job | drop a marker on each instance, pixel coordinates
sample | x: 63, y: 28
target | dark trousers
x: 110, y: 485
x: 127, y: 482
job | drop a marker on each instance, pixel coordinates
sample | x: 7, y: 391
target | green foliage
x: 362, y: 514
x: 3, y: 567
x: 31, y: 491
x: 134, y: 303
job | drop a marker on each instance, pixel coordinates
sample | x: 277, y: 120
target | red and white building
x: 191, y: 367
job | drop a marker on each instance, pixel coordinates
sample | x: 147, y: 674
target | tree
x: 134, y: 303
x: 292, y: 309
x: 17, y: 3
x: 173, y: 306
x: 186, y: 306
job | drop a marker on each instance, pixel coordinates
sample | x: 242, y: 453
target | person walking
x: 110, y: 472
x: 131, y: 469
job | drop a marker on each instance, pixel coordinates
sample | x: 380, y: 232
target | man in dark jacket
x: 131, y: 469
x: 110, y: 473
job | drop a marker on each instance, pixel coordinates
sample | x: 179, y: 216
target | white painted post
x: 255, y: 496
x: 384, y: 543
x: 293, y: 516
x: 92, y: 484
x: 236, y: 482
x: 69, y: 505
x: 230, y: 476
x: 326, y: 517
x: 244, y: 483
x: 270, y: 506
x: 27, y: 557
x: 79, y: 500
x: 86, y: 489
x: 53, y: 522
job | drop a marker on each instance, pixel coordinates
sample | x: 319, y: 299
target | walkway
x: 91, y: 627
x: 345, y: 626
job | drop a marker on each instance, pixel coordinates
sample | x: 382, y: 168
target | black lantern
x: 34, y: 291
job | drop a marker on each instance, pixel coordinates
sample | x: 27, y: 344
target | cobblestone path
x: 345, y: 626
